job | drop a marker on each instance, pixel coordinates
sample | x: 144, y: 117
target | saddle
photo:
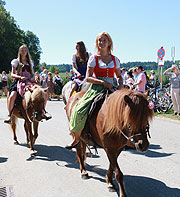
x: 96, y: 104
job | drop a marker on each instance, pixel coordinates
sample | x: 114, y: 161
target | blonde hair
x: 110, y: 47
x: 20, y: 64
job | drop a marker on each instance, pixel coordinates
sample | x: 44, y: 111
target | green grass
x: 169, y: 114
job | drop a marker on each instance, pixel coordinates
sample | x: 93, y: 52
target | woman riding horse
x: 23, y: 74
x: 79, y: 63
x: 104, y: 65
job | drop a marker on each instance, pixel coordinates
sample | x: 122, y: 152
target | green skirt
x: 80, y: 110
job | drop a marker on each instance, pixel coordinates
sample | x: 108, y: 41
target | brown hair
x: 82, y: 55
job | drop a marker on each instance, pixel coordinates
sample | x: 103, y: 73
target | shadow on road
x: 144, y: 186
x: 3, y: 159
x: 151, y: 153
x: 135, y: 185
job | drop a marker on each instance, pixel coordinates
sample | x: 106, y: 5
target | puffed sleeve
x: 14, y: 63
x: 91, y: 61
x: 74, y: 58
x: 117, y: 62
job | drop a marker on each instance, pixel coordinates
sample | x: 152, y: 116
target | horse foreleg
x: 13, y: 127
x: 35, y: 128
x: 30, y: 139
x: 118, y: 174
x: 81, y: 155
x: 109, y: 181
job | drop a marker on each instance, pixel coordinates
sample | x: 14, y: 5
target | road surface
x: 55, y: 173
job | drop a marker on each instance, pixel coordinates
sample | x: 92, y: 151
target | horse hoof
x: 16, y: 142
x: 85, y: 176
x: 111, y: 189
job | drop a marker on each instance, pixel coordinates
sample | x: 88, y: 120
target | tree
x: 12, y: 37
x: 52, y: 69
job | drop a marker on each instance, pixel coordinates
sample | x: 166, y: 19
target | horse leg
x: 30, y: 139
x: 118, y: 174
x: 13, y: 127
x: 26, y: 130
x: 35, y: 128
x: 81, y: 155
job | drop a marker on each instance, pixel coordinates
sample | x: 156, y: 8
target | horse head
x: 35, y: 99
x: 128, y: 113
x: 137, y: 115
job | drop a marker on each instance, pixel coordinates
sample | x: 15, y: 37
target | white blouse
x: 92, y: 63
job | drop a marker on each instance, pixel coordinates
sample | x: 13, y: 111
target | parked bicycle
x: 161, y: 98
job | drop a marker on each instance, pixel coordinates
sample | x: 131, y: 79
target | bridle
x: 137, y: 134
x: 34, y: 113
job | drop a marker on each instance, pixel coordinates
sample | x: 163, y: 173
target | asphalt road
x: 55, y: 173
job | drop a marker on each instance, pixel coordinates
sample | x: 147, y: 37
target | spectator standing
x: 140, y: 85
x: 67, y: 75
x: 129, y: 80
x: 5, y: 84
x: 44, y: 78
x: 152, y: 78
x: 175, y: 87
x: 50, y: 85
x: 42, y: 69
x: 37, y: 78
x: 71, y: 75
x: 124, y: 75
x: 135, y: 74
x: 58, y: 84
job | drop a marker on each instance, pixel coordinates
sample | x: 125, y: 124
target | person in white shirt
x: 79, y: 64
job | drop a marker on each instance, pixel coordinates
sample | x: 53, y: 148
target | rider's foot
x: 8, y: 121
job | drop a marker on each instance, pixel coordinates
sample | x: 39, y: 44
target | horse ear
x: 128, y: 100
x: 45, y: 89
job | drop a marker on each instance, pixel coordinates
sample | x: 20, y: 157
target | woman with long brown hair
x: 79, y: 64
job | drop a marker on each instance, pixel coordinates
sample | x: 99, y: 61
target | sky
x: 138, y: 28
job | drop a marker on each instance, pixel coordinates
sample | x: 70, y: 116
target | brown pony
x: 124, y: 115
x: 30, y: 109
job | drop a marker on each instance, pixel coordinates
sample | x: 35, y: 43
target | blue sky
x: 138, y: 27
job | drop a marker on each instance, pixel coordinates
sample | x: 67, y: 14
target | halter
x: 137, y: 134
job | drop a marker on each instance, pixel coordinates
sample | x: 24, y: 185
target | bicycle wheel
x: 164, y: 103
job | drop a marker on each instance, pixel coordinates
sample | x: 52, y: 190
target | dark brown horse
x: 123, y: 115
x: 30, y: 109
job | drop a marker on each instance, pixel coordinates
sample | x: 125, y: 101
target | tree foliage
x: 12, y: 37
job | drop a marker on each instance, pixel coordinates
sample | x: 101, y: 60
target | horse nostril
x: 142, y: 146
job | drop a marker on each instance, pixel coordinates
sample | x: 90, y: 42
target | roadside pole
x: 161, y: 54
x: 173, y: 54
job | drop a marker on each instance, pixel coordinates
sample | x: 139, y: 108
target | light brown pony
x: 123, y: 115
x: 30, y: 109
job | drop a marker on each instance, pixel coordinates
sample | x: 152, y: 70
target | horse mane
x: 36, y: 93
x: 119, y: 114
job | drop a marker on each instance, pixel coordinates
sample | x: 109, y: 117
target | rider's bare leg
x: 74, y: 88
x: 10, y: 105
